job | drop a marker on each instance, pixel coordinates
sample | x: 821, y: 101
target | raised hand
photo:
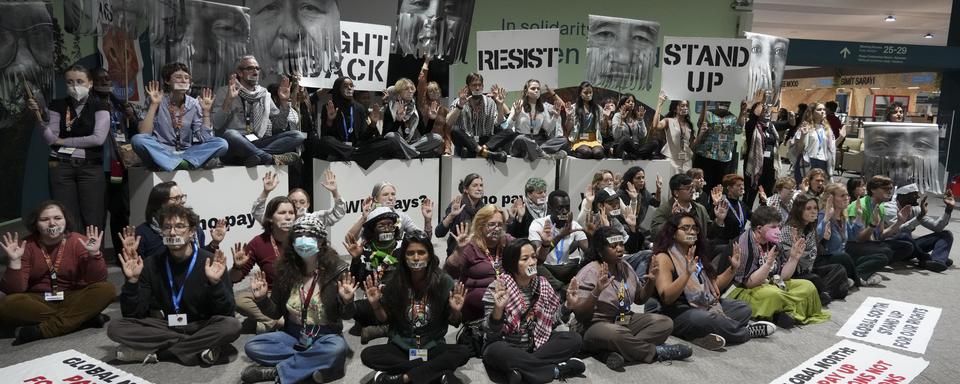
x: 462, y: 236
x: 716, y: 195
x: 376, y: 113
x: 517, y: 108
x: 518, y: 209
x: 456, y: 205
x: 372, y: 288
x: 588, y: 195
x: 661, y: 98
x: 805, y: 184
x: 858, y: 208
x: 332, y: 111
x: 546, y: 234
x: 500, y: 297
x: 283, y: 91
x: 498, y: 94
x: 433, y: 110
x: 270, y: 182
x: 219, y: 232
x: 240, y: 256
x: 347, y: 287
x: 426, y: 209
x: 771, y: 256
x: 329, y: 181
x: 215, y: 267
x: 33, y: 106
x: 94, y: 239
x: 948, y: 201
x: 457, y: 295
x: 233, y: 87
x: 603, y: 279
x: 923, y: 207
x: 632, y: 191
x: 132, y: 265
x: 692, y: 260
x: 129, y: 239
x: 735, y: 256
x: 13, y: 246
x: 630, y: 215
x: 720, y: 211
x: 353, y: 247
x: 799, y: 246
x: 762, y: 195
x: 641, y: 111
x: 573, y: 294
x: 206, y: 100
x: 258, y: 285
x: 659, y: 183
x: 367, y: 207
x: 876, y: 215
x: 464, y: 94
x: 904, y: 214
x: 154, y: 93
x: 676, y: 208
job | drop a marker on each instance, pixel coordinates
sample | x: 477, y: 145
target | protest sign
x: 705, y: 68
x: 892, y: 323
x: 852, y: 362
x: 365, y: 50
x: 67, y: 367
x: 510, y: 58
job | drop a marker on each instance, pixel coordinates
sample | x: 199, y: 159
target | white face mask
x: 386, y: 236
x: 78, y: 92
x: 348, y: 92
x: 691, y: 239
x: 286, y: 225
x: 174, y: 240
x: 531, y: 270
x: 542, y: 201
x: 615, y: 212
x: 476, y: 93
x: 54, y: 231
x: 254, y: 79
x: 181, y: 86
x: 417, y: 265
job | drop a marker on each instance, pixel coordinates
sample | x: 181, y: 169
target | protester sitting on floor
x: 602, y: 179
x: 585, y: 122
x: 783, y: 194
x: 834, y: 230
x: 177, y: 132
x: 609, y: 211
x: 738, y: 212
x: 700, y: 194
x: 829, y: 277
x: 534, y: 127
x: 877, y: 235
x: 633, y: 193
x: 177, y: 304
x: 521, y: 311
x: 765, y: 276
x: 419, y: 301
x: 301, y: 201
x: 150, y: 238
x: 932, y: 250
x: 55, y: 280
x: 564, y: 236
x: 313, y: 293
x: 690, y: 288
x: 601, y: 295
x: 477, y: 259
x: 681, y: 200
x: 346, y: 132
x: 460, y: 213
x: 532, y: 206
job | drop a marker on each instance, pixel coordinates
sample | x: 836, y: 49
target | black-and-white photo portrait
x: 905, y: 152
x: 435, y: 28
x: 768, y: 57
x: 27, y: 58
x: 295, y: 36
x: 621, y: 53
x: 78, y: 17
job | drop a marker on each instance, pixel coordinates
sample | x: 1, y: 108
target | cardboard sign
x: 852, y: 362
x: 892, y: 323
x: 67, y: 367
x: 510, y: 58
x: 705, y: 68
x: 365, y: 57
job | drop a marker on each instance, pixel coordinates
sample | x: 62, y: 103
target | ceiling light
x: 928, y: 36
x: 913, y: 87
x: 890, y: 18
x: 874, y: 88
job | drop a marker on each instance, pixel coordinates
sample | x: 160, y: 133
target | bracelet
x: 594, y: 294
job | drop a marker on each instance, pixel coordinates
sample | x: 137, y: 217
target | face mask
x: 78, y: 92
x: 181, y: 86
x: 494, y: 235
x: 542, y: 201
x: 285, y: 225
x: 531, y: 270
x: 615, y: 212
x: 103, y: 88
x: 417, y: 265
x: 347, y: 92
x: 54, y: 231
x: 174, y: 240
x: 772, y: 235
x: 306, y: 246
x: 476, y: 93
x: 254, y: 79
x: 388, y: 236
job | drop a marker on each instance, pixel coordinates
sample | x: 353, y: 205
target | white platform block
x: 502, y: 182
x: 576, y: 174
x: 226, y: 192
x: 415, y: 181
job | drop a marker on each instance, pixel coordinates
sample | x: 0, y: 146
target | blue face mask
x: 306, y: 246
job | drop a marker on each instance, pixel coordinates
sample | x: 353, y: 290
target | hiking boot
x: 710, y: 342
x: 761, y: 329
x: 614, y: 361
x: 934, y: 266
x: 873, y: 280
x: 783, y: 320
x: 384, y: 378
x: 286, y: 158
x: 251, y: 161
x: 130, y: 355
x: 497, y: 156
x: 27, y: 333
x: 570, y: 368
x: 97, y: 321
x: 256, y: 374
x: 213, y: 163
x: 372, y: 333
x: 667, y: 352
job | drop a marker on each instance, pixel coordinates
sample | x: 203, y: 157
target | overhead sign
x: 841, y: 53
x: 365, y: 57
x: 892, y: 323
x: 852, y: 362
x: 510, y: 58
x: 705, y: 68
x: 67, y: 367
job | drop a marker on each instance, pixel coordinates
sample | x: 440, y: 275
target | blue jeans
x: 241, y: 148
x: 156, y: 155
x: 328, y: 352
x: 937, y: 244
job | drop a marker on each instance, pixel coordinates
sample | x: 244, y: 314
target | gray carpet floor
x: 758, y: 361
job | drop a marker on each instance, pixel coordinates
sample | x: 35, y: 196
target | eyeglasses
x: 177, y: 227
x: 418, y: 236
x: 250, y: 68
x: 178, y: 198
x: 689, y: 227
x: 39, y: 38
x: 493, y: 225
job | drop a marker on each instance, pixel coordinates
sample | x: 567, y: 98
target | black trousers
x: 441, y: 359
x: 185, y: 343
x: 330, y: 149
x: 80, y: 187
x: 534, y: 366
x: 768, y: 176
x: 118, y: 204
x: 713, y: 171
x: 829, y: 278
x: 558, y: 275
x: 903, y: 249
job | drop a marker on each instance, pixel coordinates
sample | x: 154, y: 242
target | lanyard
x: 178, y: 294
x: 495, y: 262
x: 622, y: 294
x: 54, y: 267
x: 418, y: 313
x: 69, y: 121
x: 177, y: 120
x: 347, y: 130
x: 740, y: 217
x: 246, y: 117
x: 558, y: 251
x: 305, y: 300
x: 820, y: 139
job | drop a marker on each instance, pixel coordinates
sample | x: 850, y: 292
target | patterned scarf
x: 536, y: 211
x: 253, y: 105
x: 410, y: 118
x: 546, y: 305
x: 478, y: 123
x: 755, y: 160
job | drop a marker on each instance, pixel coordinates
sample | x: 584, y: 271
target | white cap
x: 909, y: 188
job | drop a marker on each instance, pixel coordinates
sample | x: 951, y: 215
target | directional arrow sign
x: 844, y: 52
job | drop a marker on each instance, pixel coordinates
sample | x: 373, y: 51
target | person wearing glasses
x: 177, y: 132
x: 681, y: 200
x: 255, y: 127
x: 150, y: 239
x: 478, y: 255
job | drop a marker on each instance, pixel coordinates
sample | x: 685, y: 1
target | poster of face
x: 905, y: 152
x: 767, y: 60
x: 27, y: 59
x: 78, y: 17
x: 208, y: 37
x: 621, y: 53
x: 438, y: 28
x: 294, y: 36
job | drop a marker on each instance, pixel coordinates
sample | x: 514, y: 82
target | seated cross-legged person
x: 177, y: 132
x: 932, y: 250
x: 150, y: 238
x: 403, y: 125
x: 178, y: 304
x: 532, y: 206
x: 564, y: 236
x: 55, y: 280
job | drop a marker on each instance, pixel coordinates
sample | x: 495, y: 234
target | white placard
x: 892, y: 323
x: 852, y: 362
x: 67, y: 367
x: 415, y: 181
x: 510, y: 58
x: 576, y: 175
x: 227, y: 192
x: 365, y: 57
x: 699, y: 68
x: 502, y: 182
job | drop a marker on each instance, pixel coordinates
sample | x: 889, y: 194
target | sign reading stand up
x: 700, y: 68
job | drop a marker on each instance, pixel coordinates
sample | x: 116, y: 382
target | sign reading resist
x: 365, y: 59
x: 67, y: 367
x: 852, y: 362
x: 892, y: 323
x: 510, y: 58
x: 705, y: 68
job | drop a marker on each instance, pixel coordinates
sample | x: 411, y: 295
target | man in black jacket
x: 179, y: 305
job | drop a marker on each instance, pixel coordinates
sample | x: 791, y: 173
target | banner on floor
x: 892, y: 323
x: 510, y: 58
x: 705, y: 68
x: 852, y: 362
x: 67, y: 367
x: 365, y: 50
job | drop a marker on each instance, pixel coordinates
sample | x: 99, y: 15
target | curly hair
x: 665, y: 241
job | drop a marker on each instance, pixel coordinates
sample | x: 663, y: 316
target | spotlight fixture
x: 890, y: 18
x: 928, y: 36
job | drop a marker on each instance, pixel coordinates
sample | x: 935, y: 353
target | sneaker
x: 497, y: 156
x: 614, y: 361
x: 761, y: 329
x: 256, y: 374
x: 450, y: 378
x: 667, y: 352
x: 710, y: 342
x: 262, y: 328
x: 514, y: 377
x: 825, y: 299
x: 372, y: 333
x: 851, y: 283
x: 783, y: 320
x: 949, y: 262
x: 27, y: 333
x: 570, y: 368
x: 384, y: 378
x: 130, y: 355
x: 210, y: 355
x: 97, y: 321
x: 934, y: 266
x: 873, y: 280
x: 317, y: 376
x: 355, y: 329
x: 213, y: 163
x: 560, y: 155
x: 286, y: 158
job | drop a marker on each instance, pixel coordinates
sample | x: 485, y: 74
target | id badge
x: 584, y: 136
x: 722, y: 137
x: 66, y: 150
x: 348, y: 143
x: 682, y: 156
x: 767, y: 153
x: 418, y: 353
x: 120, y: 137
x: 53, y: 296
x: 251, y: 137
x: 177, y: 320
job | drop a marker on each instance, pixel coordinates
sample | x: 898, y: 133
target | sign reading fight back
x: 365, y: 57
x: 711, y: 69
x: 510, y: 58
